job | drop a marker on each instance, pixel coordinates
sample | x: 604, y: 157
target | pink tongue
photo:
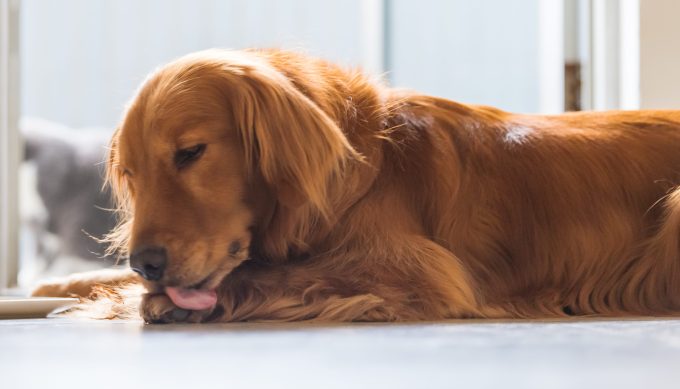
x: 193, y: 299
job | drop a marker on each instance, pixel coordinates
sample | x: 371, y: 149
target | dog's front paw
x: 63, y: 287
x: 159, y: 309
x: 83, y: 284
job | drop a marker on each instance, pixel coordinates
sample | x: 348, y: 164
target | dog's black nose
x: 149, y: 262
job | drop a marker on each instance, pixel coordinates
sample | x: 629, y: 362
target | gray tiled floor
x: 51, y: 353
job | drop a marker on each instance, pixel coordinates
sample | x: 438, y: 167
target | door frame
x: 10, y: 143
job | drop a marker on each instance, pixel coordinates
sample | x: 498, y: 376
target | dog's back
x: 549, y: 211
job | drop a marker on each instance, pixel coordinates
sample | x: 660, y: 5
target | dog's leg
x: 652, y: 285
x: 415, y: 279
x: 81, y: 284
x: 274, y: 293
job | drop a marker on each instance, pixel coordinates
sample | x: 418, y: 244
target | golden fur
x: 352, y: 201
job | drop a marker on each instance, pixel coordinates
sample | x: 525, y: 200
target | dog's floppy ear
x: 117, y: 239
x: 297, y: 147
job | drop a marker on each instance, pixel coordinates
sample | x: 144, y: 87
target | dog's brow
x: 193, y: 130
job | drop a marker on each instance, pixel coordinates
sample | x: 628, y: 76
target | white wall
x: 660, y: 54
x: 82, y: 59
x: 481, y: 51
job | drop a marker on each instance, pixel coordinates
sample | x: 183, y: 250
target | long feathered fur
x: 381, y: 204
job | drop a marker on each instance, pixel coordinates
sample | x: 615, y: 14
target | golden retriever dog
x: 270, y: 185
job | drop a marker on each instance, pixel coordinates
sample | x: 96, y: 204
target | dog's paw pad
x: 159, y: 309
x: 180, y: 314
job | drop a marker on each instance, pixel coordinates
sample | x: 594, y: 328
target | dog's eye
x: 185, y: 157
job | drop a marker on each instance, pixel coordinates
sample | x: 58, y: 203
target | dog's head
x: 209, y: 144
